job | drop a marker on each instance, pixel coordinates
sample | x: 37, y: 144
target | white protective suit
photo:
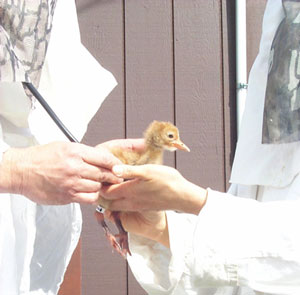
x: 253, y: 241
x: 36, y: 242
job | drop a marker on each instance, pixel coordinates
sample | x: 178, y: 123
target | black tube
x: 51, y: 113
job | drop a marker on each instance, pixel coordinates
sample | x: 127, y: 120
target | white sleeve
x: 157, y: 269
x: 233, y: 241
x: 3, y: 146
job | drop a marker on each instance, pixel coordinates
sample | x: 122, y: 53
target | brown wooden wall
x: 174, y: 60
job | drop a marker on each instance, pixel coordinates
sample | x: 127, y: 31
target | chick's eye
x: 170, y: 135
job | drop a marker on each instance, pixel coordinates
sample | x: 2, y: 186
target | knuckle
x: 70, y: 183
x: 65, y: 148
x: 73, y: 168
x: 107, y: 176
x: 72, y: 193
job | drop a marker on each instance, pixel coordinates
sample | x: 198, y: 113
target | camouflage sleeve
x: 11, y: 69
x: 25, y: 28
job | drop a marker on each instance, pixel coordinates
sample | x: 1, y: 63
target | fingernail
x: 118, y: 170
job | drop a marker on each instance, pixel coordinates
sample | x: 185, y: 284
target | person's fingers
x: 99, y: 174
x: 145, y: 172
x: 102, y: 175
x: 87, y: 186
x: 120, y: 205
x: 100, y: 157
x: 108, y: 177
x: 129, y: 172
x: 136, y: 144
x: 117, y: 191
x: 86, y: 198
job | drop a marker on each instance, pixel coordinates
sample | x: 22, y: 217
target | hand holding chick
x: 150, y: 189
x: 159, y: 136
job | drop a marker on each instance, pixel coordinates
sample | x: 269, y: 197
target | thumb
x: 129, y: 172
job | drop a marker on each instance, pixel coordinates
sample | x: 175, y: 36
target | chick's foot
x: 120, y: 246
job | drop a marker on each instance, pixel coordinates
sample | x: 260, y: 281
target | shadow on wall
x: 89, y: 4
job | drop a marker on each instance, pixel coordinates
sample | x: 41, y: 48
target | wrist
x: 156, y: 227
x: 162, y: 232
x: 193, y: 198
x: 11, y: 176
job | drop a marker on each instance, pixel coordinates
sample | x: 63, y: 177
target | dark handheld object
x: 51, y: 113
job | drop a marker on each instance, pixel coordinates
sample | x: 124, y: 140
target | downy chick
x: 159, y: 136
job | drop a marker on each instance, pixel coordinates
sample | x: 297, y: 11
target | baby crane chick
x: 159, y: 136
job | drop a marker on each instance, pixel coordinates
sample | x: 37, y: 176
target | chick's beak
x: 180, y: 145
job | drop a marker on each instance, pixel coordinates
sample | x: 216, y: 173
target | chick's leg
x: 110, y: 237
x: 123, y: 235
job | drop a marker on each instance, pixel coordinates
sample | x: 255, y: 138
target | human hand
x: 136, y: 144
x: 152, y: 187
x: 57, y: 173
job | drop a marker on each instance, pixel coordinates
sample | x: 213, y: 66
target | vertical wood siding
x: 149, y: 72
x: 174, y: 60
x: 102, y: 27
x: 198, y: 90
